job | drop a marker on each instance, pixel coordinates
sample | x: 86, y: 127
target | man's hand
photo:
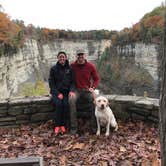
x: 60, y: 96
x: 91, y: 90
x: 72, y: 94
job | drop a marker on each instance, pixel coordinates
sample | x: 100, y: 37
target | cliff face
x: 134, y: 70
x: 145, y: 56
x: 33, y: 61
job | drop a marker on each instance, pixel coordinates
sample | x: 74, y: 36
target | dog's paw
x: 106, y: 134
x: 98, y: 133
x: 116, y: 128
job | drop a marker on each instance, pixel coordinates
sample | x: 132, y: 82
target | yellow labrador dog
x: 104, y: 115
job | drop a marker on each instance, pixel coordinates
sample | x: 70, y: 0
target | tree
x: 9, y: 30
x: 162, y: 112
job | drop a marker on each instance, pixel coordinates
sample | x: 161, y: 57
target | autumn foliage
x: 9, y: 31
x: 149, y: 29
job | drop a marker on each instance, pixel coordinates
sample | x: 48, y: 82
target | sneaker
x: 57, y: 130
x: 63, y: 130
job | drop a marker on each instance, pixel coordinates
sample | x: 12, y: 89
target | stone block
x: 8, y: 119
x: 3, y: 103
x: 22, y: 122
x: 123, y: 115
x: 155, y: 113
x: 138, y: 117
x: 16, y: 110
x: 30, y: 110
x: 153, y: 119
x: 41, y: 117
x: 3, y: 112
x: 22, y: 117
x: 140, y: 111
x: 44, y: 108
x: 7, y: 123
x: 22, y: 161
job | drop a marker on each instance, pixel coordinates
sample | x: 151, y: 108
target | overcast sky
x: 79, y: 14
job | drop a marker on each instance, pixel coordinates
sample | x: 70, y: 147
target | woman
x: 61, y: 83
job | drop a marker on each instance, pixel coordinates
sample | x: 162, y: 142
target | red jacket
x: 85, y: 75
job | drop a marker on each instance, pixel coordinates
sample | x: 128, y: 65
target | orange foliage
x: 154, y: 21
x: 136, y: 31
x: 8, y: 30
x: 136, y: 27
x: 50, y: 33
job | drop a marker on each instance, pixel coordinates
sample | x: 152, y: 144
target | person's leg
x: 58, y: 111
x: 73, y: 114
x: 90, y: 101
x: 93, y: 122
x: 65, y: 112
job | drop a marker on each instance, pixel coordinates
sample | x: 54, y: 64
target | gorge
x: 33, y: 61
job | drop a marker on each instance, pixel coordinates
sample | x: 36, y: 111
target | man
x: 86, y: 80
x: 61, y: 83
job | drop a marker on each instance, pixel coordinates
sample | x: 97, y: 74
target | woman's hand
x: 60, y: 96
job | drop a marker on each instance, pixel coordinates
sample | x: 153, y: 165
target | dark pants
x: 61, y: 110
x: 83, y: 98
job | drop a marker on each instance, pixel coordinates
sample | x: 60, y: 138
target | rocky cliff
x: 145, y: 55
x: 135, y: 69
x: 33, y: 61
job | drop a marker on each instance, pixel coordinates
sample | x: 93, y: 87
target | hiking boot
x: 57, y: 130
x: 63, y: 130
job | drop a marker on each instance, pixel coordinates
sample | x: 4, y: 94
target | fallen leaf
x: 78, y: 146
x: 156, y: 162
x: 122, y: 149
x: 63, y: 160
x: 103, y: 163
x: 68, y: 147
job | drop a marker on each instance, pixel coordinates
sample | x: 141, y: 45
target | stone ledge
x: 134, y: 99
x: 26, y: 161
x: 17, y: 111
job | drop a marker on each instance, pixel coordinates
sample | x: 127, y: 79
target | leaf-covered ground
x: 135, y: 143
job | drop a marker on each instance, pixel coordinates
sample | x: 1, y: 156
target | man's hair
x: 61, y: 52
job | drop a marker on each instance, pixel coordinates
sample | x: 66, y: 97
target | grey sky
x: 79, y: 14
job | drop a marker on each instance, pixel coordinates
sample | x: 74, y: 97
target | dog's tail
x: 96, y: 92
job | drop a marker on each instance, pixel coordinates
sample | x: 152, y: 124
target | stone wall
x: 20, y: 111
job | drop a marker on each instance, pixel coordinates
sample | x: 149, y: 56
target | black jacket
x: 61, y: 79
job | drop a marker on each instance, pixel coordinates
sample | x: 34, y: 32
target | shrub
x: 30, y: 89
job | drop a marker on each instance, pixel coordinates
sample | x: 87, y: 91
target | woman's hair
x: 61, y: 52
